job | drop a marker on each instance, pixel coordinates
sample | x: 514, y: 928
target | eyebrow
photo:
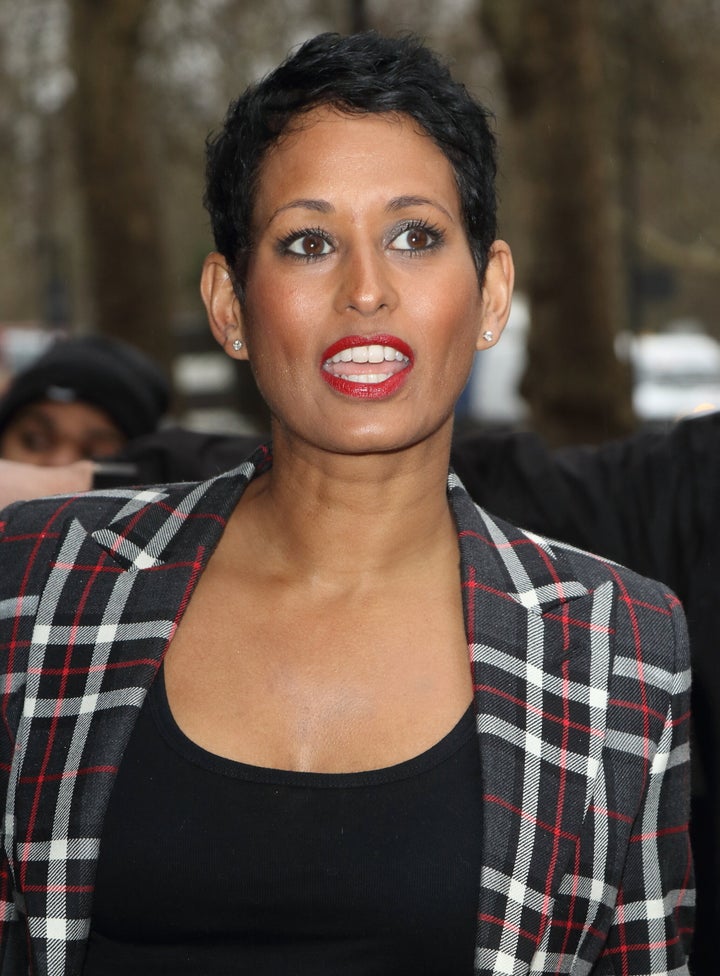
x: 303, y: 203
x: 323, y: 206
x: 401, y: 203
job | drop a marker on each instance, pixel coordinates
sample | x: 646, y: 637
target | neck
x: 333, y: 515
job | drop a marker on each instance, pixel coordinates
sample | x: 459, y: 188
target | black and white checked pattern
x: 581, y: 690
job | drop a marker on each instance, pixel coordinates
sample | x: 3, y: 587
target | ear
x: 497, y: 295
x: 222, y: 305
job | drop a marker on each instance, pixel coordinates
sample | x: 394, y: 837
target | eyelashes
x: 412, y: 238
x: 306, y: 243
x: 420, y: 237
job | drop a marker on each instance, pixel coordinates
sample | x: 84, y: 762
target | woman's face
x: 362, y: 305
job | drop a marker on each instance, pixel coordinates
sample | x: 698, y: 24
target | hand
x: 19, y: 481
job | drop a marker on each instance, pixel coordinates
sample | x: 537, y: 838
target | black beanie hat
x: 105, y: 372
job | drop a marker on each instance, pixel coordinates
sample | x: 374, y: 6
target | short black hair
x: 359, y: 73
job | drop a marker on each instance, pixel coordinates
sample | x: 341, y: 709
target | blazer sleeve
x: 652, y: 922
x: 12, y: 932
x: 27, y: 538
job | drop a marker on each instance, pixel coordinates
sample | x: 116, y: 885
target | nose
x: 367, y: 285
x: 61, y: 453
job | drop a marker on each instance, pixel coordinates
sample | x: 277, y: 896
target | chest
x: 274, y: 674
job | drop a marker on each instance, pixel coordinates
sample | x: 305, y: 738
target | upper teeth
x: 368, y: 354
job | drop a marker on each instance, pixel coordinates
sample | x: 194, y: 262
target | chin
x: 386, y: 442
x: 332, y: 436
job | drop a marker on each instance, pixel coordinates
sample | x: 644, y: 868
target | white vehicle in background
x: 20, y: 344
x: 676, y: 373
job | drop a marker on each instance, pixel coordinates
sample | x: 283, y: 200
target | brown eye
x: 417, y: 239
x: 309, y: 245
x: 312, y: 244
x: 35, y: 440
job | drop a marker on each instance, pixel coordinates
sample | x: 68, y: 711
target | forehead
x: 328, y: 153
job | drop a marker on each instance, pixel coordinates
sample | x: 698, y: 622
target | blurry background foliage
x: 607, y: 118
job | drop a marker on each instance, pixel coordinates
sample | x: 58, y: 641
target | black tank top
x: 210, y: 866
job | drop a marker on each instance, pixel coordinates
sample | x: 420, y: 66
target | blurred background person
x: 82, y: 398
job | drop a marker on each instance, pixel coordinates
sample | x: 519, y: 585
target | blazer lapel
x: 540, y: 652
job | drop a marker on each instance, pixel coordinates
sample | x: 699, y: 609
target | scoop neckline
x: 191, y: 752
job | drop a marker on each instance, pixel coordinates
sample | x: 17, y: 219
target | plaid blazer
x: 581, y: 692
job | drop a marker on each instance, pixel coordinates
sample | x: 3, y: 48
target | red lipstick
x: 367, y: 367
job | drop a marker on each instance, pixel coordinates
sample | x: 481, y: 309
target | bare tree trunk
x: 550, y: 53
x: 359, y: 20
x: 127, y: 263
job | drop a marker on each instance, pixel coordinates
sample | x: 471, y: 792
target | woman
x: 389, y: 733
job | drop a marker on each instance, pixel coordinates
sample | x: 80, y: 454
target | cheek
x: 456, y: 312
x: 277, y: 318
x: 452, y: 291
x: 276, y: 335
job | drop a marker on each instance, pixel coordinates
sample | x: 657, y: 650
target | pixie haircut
x: 357, y: 74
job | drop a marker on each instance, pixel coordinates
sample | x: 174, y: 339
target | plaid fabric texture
x: 581, y: 688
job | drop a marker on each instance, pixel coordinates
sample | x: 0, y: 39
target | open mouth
x: 367, y: 369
